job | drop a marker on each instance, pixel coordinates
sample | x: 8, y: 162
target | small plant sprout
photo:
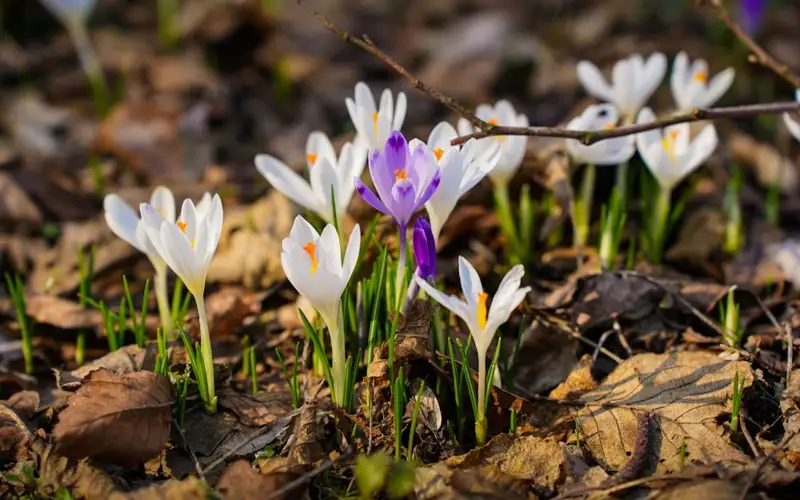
x: 138, y: 326
x: 670, y: 156
x: 74, y: 15
x: 313, y: 264
x: 85, y: 278
x: 481, y: 320
x: 292, y: 380
x: 168, y: 33
x: 16, y: 289
x: 375, y: 124
x: 791, y: 123
x: 187, y: 246
x: 610, y: 152
x: 330, y: 177
x: 633, y: 81
x: 424, y: 247
x: 461, y: 169
x: 690, y: 84
x: 413, y: 430
x: 736, y: 403
x: 729, y: 316
x: 613, y: 219
x: 126, y: 224
x: 772, y: 208
x: 405, y: 180
x: 162, y: 357
x: 734, y: 230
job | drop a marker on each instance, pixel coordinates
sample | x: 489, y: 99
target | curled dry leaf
x: 121, y: 418
x: 15, y: 205
x: 241, y: 482
x: 127, y: 359
x: 687, y: 391
x: 256, y: 410
x: 14, y: 436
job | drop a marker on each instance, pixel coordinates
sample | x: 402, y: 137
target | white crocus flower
x: 691, y: 87
x: 607, y: 152
x: 633, y: 81
x: 313, y: 264
x: 325, y: 170
x: 482, y: 322
x: 512, y: 148
x: 792, y: 124
x: 375, y: 124
x: 188, y: 245
x: 669, y: 153
x: 461, y: 169
x: 125, y: 223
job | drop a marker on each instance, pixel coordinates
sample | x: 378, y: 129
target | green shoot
x: 196, y: 365
x: 114, y: 325
x: 311, y: 333
x: 245, y: 351
x: 738, y: 391
x: 682, y: 452
x: 519, y: 238
x: 772, y: 206
x: 183, y: 391
x: 553, y: 211
x: 583, y: 206
x: 96, y: 169
x: 729, y: 317
x: 251, y: 360
x: 180, y: 303
x: 612, y: 221
x: 510, y: 372
x: 85, y: 278
x: 457, y: 388
x: 168, y: 33
x: 377, y: 476
x: 138, y: 326
x: 80, y: 348
x: 734, y: 233
x: 398, y: 395
x: 413, y: 430
x: 16, y: 289
x: 527, y: 222
x: 512, y: 425
x: 162, y: 358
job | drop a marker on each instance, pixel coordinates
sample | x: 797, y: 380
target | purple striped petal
x: 367, y: 195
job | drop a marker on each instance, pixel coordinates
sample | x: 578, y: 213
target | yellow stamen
x: 311, y: 158
x: 701, y: 76
x: 669, y: 143
x: 311, y: 250
x: 481, y: 311
x: 608, y: 126
x: 438, y: 152
x: 500, y: 138
x: 400, y: 174
x: 375, y: 122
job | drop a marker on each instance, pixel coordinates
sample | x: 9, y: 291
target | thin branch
x: 760, y: 55
x: 588, y: 137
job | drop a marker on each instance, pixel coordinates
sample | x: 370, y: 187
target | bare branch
x: 588, y: 137
x: 760, y: 55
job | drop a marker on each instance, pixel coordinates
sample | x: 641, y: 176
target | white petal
x: 203, y: 206
x: 351, y: 254
x: 319, y: 144
x: 441, y: 135
x: 164, y: 202
x: 464, y: 127
x: 654, y: 70
x: 329, y: 251
x: 701, y: 148
x: 181, y: 258
x: 449, y: 302
x: 400, y: 111
x: 302, y: 232
x: 594, y: 82
x: 323, y: 179
x: 189, y: 216
x: 507, y: 287
x: 677, y: 80
x: 285, y: 180
x: 470, y: 281
x: 364, y: 98
x: 717, y: 87
x: 623, y: 80
x: 122, y: 220
x: 792, y: 125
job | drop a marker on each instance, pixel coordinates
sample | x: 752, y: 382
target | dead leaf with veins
x: 687, y: 391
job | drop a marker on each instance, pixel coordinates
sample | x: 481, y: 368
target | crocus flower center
x: 669, y: 144
x: 481, y: 310
x: 311, y: 158
x: 438, y: 152
x: 701, y: 76
x: 501, y: 138
x: 182, y: 226
x: 311, y: 250
x: 400, y: 174
x: 375, y: 122
x: 608, y: 126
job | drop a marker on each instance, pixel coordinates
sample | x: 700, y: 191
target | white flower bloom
x: 512, y: 148
x: 461, y: 169
x: 669, y: 153
x: 70, y: 12
x: 482, y: 322
x: 633, y: 81
x: 126, y: 224
x: 608, y: 152
x: 375, y: 124
x: 187, y: 245
x: 792, y: 124
x: 691, y: 87
x: 325, y: 170
x: 313, y: 264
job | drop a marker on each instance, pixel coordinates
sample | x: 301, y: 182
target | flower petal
x: 323, y: 178
x: 368, y: 196
x: 793, y: 125
x: 449, y: 302
x: 285, y: 180
x: 122, y: 220
x: 320, y: 145
x: 594, y: 82
x: 470, y: 282
x: 302, y: 231
x: 351, y: 254
x: 400, y: 111
x: 164, y: 202
x: 718, y: 85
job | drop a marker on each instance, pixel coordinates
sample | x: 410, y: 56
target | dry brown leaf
x: 309, y: 437
x: 14, y: 436
x: 439, y: 482
x: 122, y: 418
x: 241, y: 482
x: 191, y: 488
x: 710, y: 489
x: 62, y: 313
x: 687, y: 391
x: 127, y: 359
x: 769, y: 165
x: 257, y: 410
x: 15, y: 205
x: 790, y: 407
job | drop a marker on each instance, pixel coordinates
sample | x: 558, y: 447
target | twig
x: 760, y: 55
x: 189, y: 451
x: 761, y: 463
x: 742, y: 417
x: 486, y: 129
x: 307, y: 477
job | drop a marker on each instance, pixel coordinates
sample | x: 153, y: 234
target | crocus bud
x: 424, y: 249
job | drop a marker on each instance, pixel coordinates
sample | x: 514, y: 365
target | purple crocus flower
x: 404, y: 179
x: 424, y: 249
x: 751, y: 15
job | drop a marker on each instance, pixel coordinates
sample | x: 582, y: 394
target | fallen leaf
x: 127, y: 359
x: 256, y: 410
x: 309, y: 436
x: 122, y: 418
x: 15, y: 205
x: 790, y: 407
x: 579, y: 381
x: 14, y: 436
x: 711, y: 489
x: 546, y: 357
x: 62, y: 313
x: 687, y: 391
x: 241, y: 481
x: 439, y: 481
x: 229, y: 309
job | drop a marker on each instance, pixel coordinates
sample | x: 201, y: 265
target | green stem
x: 400, y: 276
x: 658, y: 228
x: 502, y: 202
x: 164, y: 310
x: 338, y: 368
x: 91, y: 67
x: 480, y: 418
x: 584, y: 206
x: 205, y: 349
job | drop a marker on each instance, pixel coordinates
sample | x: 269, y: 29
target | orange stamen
x: 438, y: 152
x: 608, y: 126
x: 182, y: 226
x: 701, y: 76
x: 481, y: 311
x: 311, y: 158
x: 400, y: 174
x: 311, y: 250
